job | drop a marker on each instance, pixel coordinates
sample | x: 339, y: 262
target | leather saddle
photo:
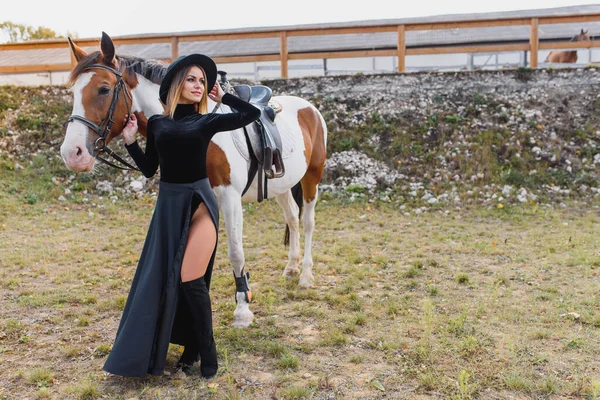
x: 269, y: 156
x: 265, y: 158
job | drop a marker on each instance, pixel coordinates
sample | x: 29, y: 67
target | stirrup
x: 268, y: 162
x: 278, y: 166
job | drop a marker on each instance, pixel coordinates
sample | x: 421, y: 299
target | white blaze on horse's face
x: 74, y: 149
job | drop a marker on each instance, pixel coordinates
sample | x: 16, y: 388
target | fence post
x: 534, y: 43
x: 174, y: 48
x: 283, y: 54
x: 401, y: 48
x: 470, y: 63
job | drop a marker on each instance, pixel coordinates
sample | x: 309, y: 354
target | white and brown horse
x: 96, y: 82
x: 568, y: 56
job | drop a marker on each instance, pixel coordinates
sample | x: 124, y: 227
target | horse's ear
x: 108, y: 49
x: 78, y: 52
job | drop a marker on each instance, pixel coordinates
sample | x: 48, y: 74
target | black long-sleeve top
x: 179, y: 145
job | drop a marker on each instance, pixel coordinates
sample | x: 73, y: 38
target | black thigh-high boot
x: 198, y: 298
x: 190, y: 353
x: 187, y: 359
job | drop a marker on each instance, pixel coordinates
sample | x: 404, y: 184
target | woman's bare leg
x: 200, y: 245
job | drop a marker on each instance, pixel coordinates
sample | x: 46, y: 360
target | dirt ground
x: 490, y: 304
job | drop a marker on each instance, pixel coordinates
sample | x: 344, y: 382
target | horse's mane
x: 152, y: 70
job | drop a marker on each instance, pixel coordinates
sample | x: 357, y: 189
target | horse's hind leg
x: 290, y: 213
x: 314, y: 130
x: 308, y: 221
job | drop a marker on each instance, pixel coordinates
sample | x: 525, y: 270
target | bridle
x: 103, y: 129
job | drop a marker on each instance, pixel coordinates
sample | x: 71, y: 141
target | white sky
x: 88, y: 18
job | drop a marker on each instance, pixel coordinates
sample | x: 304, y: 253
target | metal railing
x: 401, y: 50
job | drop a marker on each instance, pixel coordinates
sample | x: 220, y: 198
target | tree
x: 21, y: 33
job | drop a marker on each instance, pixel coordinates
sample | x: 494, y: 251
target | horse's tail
x: 297, y: 195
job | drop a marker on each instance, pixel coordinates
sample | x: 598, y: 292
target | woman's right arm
x: 245, y: 114
x: 146, y: 161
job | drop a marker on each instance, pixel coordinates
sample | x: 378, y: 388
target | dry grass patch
x: 429, y: 306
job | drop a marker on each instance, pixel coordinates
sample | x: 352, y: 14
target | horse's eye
x: 103, y: 91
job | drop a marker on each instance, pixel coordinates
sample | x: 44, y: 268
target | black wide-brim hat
x: 207, y: 64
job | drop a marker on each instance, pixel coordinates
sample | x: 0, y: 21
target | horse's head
x: 101, y: 102
x: 581, y: 37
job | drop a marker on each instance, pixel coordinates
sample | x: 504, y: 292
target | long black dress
x: 153, y: 316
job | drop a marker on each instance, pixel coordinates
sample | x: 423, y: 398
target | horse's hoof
x: 306, y: 281
x: 241, y: 324
x: 290, y: 272
x: 242, y: 319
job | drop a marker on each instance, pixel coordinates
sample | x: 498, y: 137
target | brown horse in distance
x: 568, y: 56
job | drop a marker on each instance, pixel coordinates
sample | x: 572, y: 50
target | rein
x: 103, y: 129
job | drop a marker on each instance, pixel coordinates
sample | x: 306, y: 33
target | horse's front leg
x: 231, y: 209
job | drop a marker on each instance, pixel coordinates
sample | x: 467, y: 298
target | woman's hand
x: 130, y: 129
x: 216, y: 94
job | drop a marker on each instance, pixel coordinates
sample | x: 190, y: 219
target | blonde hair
x: 177, y: 87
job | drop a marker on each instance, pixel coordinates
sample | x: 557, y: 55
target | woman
x: 169, y: 298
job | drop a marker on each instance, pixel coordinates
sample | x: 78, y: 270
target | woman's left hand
x: 130, y: 129
x: 216, y: 94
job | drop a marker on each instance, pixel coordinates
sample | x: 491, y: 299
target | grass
x: 43, y: 393
x: 288, y: 362
x: 41, y: 377
x: 102, y: 350
x: 295, y: 393
x: 473, y: 304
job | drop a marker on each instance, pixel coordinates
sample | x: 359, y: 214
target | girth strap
x: 253, y: 170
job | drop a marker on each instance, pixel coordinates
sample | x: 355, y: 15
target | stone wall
x: 491, y: 136
x: 421, y: 140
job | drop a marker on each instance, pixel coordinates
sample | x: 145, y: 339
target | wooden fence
x: 401, y: 50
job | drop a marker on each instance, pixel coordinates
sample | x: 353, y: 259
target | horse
x: 107, y: 87
x: 568, y: 56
